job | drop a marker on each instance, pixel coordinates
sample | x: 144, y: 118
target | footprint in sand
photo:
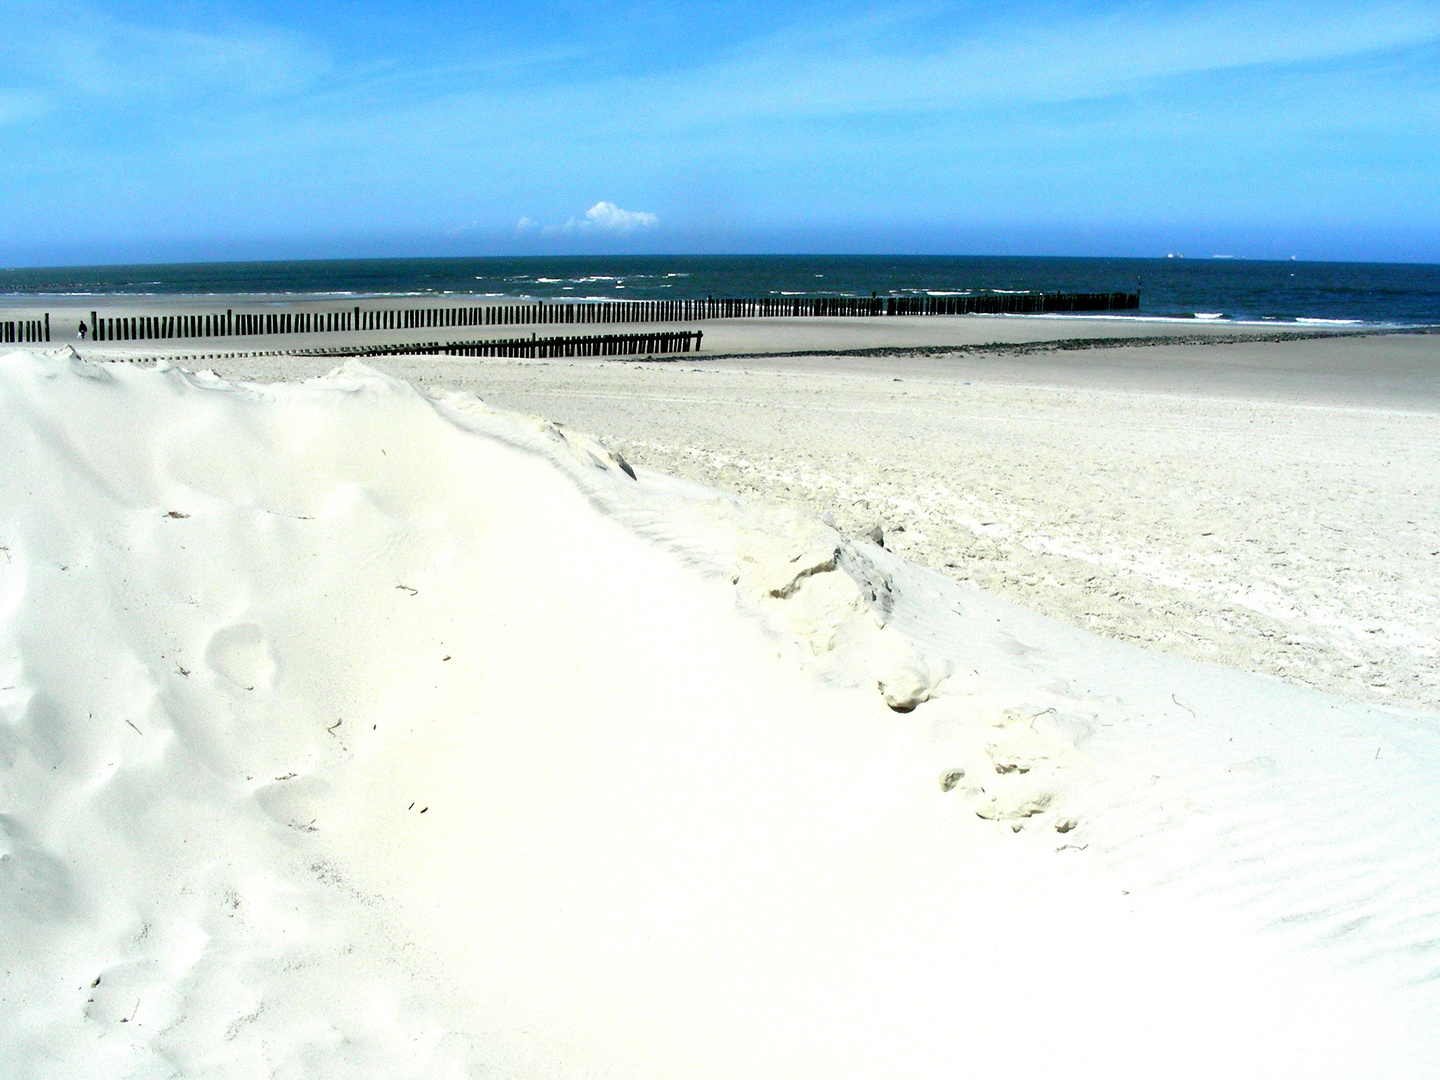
x: 241, y: 654
x: 295, y: 802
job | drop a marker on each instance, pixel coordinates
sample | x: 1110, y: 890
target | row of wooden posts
x: 543, y: 313
x: 971, y: 304
x: 666, y: 342
x: 20, y: 331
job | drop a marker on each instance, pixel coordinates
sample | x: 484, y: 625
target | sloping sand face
x: 351, y: 732
x: 1268, y: 506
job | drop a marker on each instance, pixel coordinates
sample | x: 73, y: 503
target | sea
x: 1239, y: 290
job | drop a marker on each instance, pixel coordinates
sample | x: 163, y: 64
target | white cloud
x: 608, y: 216
x: 602, y: 217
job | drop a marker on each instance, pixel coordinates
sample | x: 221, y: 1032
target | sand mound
x: 351, y: 732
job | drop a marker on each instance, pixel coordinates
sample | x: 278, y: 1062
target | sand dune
x: 349, y: 731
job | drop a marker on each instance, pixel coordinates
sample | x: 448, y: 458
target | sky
x: 184, y: 131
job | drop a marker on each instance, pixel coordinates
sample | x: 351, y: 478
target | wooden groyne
x: 533, y: 347
x: 356, y: 318
x: 22, y: 331
x: 875, y: 306
x: 666, y: 343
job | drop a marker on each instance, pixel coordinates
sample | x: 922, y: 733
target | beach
x: 796, y: 542
x: 982, y: 695
x: 1267, y: 505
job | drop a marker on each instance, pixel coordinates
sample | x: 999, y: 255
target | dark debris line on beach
x: 1027, y: 348
x: 231, y: 323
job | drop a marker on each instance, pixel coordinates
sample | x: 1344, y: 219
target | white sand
x: 346, y: 732
x: 1273, y: 507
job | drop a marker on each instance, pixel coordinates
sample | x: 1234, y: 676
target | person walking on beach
x: 83, y: 328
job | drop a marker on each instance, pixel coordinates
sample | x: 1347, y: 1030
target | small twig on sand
x: 333, y: 726
x: 1182, y: 705
x: 408, y: 589
x: 137, y: 730
x: 133, y: 1012
x: 1041, y: 713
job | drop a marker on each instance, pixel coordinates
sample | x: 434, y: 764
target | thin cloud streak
x: 1138, y: 114
x: 84, y: 57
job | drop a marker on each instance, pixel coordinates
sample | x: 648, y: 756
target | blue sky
x: 197, y: 130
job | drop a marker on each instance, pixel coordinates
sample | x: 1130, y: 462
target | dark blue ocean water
x: 1384, y: 293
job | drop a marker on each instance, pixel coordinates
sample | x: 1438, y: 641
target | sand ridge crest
x: 810, y: 584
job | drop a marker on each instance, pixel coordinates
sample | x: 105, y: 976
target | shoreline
x: 146, y: 302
